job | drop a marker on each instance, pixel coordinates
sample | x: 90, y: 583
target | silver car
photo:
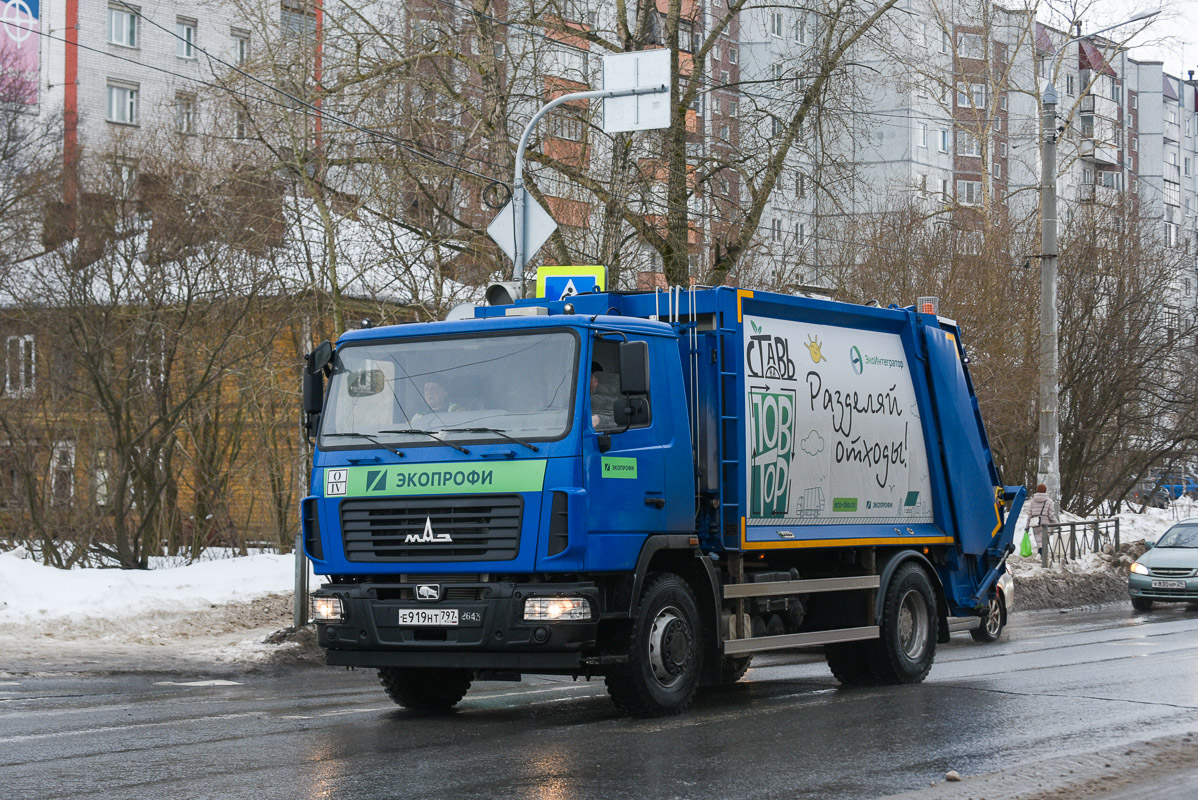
x: 1168, y: 572
x: 988, y: 628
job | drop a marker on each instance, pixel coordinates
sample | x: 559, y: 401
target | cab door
x: 624, y: 469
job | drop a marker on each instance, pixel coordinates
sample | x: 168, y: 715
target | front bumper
x: 491, y: 632
x: 1142, y: 586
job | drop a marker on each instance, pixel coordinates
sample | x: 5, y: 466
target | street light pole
x: 1048, y: 466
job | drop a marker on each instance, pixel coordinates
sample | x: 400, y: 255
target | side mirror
x: 631, y: 411
x: 634, y: 368
x: 313, y: 383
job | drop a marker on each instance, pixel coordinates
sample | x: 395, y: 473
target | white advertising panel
x: 834, y: 434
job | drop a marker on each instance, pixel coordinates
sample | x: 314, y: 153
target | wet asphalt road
x: 1056, y: 684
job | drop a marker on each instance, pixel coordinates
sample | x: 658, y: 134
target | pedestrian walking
x: 1042, y: 512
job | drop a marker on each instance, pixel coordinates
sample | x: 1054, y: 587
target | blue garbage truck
x: 648, y: 487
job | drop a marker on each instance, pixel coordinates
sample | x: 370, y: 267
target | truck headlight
x: 1140, y: 569
x: 556, y: 609
x: 327, y: 609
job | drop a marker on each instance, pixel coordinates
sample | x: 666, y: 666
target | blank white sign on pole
x: 642, y: 112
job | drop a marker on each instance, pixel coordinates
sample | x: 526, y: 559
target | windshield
x: 418, y: 391
x: 1180, y: 536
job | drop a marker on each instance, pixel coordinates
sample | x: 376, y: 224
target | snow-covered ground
x: 219, y: 610
x: 173, y: 617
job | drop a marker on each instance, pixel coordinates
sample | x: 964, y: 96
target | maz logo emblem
x: 428, y: 535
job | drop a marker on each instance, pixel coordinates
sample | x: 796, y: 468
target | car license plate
x: 1168, y: 584
x: 428, y: 617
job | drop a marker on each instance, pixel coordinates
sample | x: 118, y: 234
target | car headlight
x: 556, y: 609
x: 327, y: 609
x: 1139, y: 569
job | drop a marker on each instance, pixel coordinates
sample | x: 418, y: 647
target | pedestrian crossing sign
x: 559, y: 283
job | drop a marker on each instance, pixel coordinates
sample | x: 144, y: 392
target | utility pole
x: 1048, y: 471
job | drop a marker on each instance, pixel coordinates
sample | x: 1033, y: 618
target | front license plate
x: 1168, y: 584
x: 428, y: 617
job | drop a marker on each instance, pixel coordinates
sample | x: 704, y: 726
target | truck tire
x: 664, y: 651
x: 907, y: 646
x: 732, y: 669
x: 850, y: 663
x: 422, y: 689
x: 992, y: 623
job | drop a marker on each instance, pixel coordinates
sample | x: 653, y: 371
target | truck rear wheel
x: 907, y: 646
x: 426, y: 689
x: 732, y: 669
x: 664, y: 651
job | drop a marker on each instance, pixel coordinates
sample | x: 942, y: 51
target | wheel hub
x: 670, y: 643
x: 913, y: 625
x: 994, y: 618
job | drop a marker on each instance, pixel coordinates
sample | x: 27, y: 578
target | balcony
x: 1100, y: 106
x: 1100, y: 151
x: 1172, y: 131
x: 1097, y: 193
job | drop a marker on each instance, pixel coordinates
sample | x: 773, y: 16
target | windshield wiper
x: 368, y: 437
x: 498, y: 431
x: 431, y: 435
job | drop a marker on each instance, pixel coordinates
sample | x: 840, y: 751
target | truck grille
x: 479, y: 528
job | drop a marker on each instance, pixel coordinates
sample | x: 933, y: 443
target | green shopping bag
x: 1025, y: 547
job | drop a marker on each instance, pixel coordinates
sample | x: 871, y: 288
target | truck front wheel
x: 664, y: 651
x: 426, y: 689
x: 907, y: 646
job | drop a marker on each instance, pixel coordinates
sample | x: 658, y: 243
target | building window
x: 185, y: 113
x: 777, y: 126
x: 1069, y: 85
x: 241, y: 48
x: 800, y: 185
x: 1002, y: 149
x: 776, y: 71
x: 968, y: 145
x: 724, y: 132
x: 20, y: 368
x: 776, y: 23
x: 1186, y: 165
x: 997, y: 170
x: 969, y: 193
x: 1135, y: 101
x: 970, y: 45
x: 971, y: 95
x: 62, y: 477
x: 1135, y: 143
x: 733, y: 55
x: 298, y: 19
x: 725, y: 78
x: 943, y: 140
x: 241, y: 124
x: 998, y: 123
x: 921, y: 135
x: 1002, y: 101
x: 946, y: 44
x: 122, y: 103
x: 122, y: 26
x: 776, y: 229
x: 944, y: 189
x: 185, y: 38
x: 566, y: 125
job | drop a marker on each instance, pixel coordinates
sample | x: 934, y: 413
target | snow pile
x: 34, y: 594
x: 171, y: 618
